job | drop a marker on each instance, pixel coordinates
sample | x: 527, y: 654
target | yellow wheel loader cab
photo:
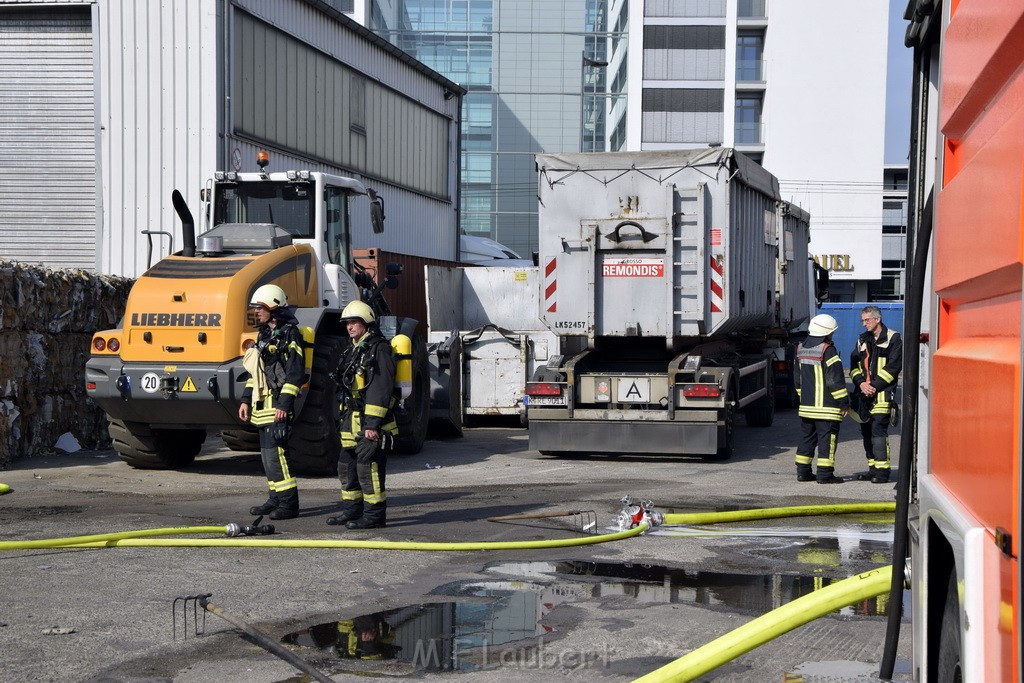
x: 173, y: 370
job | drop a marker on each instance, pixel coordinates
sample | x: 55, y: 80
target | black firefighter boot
x: 287, y: 505
x: 349, y: 513
x: 266, y: 508
x: 804, y: 473
x: 826, y: 475
x: 869, y: 475
x: 374, y: 517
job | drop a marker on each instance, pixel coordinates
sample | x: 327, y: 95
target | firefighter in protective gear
x: 875, y: 366
x: 824, y: 400
x: 366, y: 384
x: 366, y: 637
x: 276, y: 369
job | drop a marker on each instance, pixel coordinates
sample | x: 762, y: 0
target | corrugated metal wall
x: 47, y: 136
x: 157, y: 76
x: 418, y: 222
x: 160, y: 95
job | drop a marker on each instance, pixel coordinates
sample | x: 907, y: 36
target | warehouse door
x: 47, y: 137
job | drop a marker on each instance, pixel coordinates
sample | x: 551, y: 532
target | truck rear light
x: 780, y: 365
x: 246, y: 344
x: 113, y: 345
x: 543, y: 389
x: 701, y: 391
x: 90, y: 386
x: 99, y: 344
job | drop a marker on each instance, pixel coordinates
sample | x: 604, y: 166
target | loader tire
x: 413, y: 421
x: 145, y: 448
x: 314, y: 444
x: 241, y: 439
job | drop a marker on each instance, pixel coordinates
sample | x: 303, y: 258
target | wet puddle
x: 507, y: 618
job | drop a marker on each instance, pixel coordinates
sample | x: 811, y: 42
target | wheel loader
x: 172, y: 371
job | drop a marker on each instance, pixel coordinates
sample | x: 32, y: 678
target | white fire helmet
x: 269, y: 296
x: 357, y: 310
x: 822, y: 325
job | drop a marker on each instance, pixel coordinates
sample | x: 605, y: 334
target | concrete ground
x: 612, y: 612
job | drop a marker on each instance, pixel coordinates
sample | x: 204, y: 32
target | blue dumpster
x: 848, y: 317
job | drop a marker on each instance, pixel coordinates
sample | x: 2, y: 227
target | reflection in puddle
x: 461, y: 635
x: 505, y: 619
x: 751, y: 593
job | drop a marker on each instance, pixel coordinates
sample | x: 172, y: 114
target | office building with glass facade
x: 784, y: 82
x: 535, y: 72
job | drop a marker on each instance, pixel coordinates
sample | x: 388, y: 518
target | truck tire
x: 314, y: 444
x: 145, y: 448
x: 241, y: 439
x: 949, y: 667
x: 761, y: 413
x: 727, y: 432
x: 413, y: 421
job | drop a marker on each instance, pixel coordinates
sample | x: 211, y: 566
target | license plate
x: 545, y: 401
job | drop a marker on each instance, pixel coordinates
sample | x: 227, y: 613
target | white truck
x: 486, y: 340
x: 675, y: 282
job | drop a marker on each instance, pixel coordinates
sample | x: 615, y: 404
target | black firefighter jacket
x: 820, y: 382
x: 878, y: 361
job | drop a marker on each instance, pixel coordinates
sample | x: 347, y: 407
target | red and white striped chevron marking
x: 550, y: 287
x: 717, y: 283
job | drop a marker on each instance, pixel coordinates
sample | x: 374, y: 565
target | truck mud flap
x: 445, y: 360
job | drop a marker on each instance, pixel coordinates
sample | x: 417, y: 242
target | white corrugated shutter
x: 47, y: 137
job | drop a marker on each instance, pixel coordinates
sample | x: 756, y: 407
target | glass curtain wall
x: 536, y: 75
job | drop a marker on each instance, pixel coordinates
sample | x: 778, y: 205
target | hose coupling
x: 254, y: 529
x: 633, y: 514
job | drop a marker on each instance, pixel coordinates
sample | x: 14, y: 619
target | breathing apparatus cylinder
x: 308, y: 337
x: 401, y: 347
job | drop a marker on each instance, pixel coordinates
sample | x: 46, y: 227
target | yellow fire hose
x: 772, y: 513
x: 772, y: 625
x: 4, y: 488
x: 706, y: 658
x: 141, y: 538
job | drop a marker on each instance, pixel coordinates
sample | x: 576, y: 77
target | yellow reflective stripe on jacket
x: 839, y: 394
x: 820, y: 413
x: 375, y: 411
x: 819, y: 386
x: 290, y: 389
x: 884, y: 374
x: 833, y: 360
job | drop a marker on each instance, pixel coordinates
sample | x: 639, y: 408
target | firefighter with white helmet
x: 366, y: 385
x: 824, y: 400
x: 276, y: 368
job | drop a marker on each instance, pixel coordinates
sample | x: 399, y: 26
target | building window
x: 684, y: 8
x: 750, y: 57
x: 357, y: 104
x: 751, y: 9
x: 748, y: 120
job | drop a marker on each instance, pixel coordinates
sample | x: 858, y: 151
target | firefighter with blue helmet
x: 366, y: 384
x: 824, y: 400
x: 277, y: 368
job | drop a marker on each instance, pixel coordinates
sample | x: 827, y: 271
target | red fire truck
x: 960, y: 464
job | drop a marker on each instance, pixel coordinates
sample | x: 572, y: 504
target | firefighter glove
x: 279, y: 431
x: 366, y: 449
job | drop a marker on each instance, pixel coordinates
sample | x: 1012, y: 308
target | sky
x: 898, y: 83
